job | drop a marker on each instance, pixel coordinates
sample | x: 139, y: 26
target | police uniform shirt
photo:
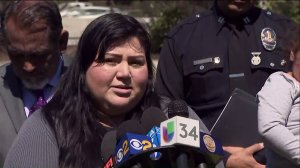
x: 207, y: 55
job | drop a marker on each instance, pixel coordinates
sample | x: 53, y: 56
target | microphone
x: 178, y: 108
x: 107, y: 148
x: 150, y: 120
x: 205, y: 150
x: 132, y: 126
x: 108, y: 144
x: 179, y: 130
x: 131, y: 142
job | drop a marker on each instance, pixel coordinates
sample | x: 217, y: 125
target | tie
x: 39, y: 103
x: 238, y: 65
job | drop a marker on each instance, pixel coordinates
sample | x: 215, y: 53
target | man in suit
x: 34, y: 39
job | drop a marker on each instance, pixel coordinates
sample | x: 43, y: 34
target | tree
x: 168, y: 14
x: 289, y: 8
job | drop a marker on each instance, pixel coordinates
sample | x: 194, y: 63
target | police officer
x: 206, y: 56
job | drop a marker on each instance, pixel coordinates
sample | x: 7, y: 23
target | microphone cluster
x: 156, y: 141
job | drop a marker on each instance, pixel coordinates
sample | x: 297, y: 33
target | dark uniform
x: 207, y: 55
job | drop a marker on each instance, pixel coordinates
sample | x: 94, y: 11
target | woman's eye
x: 137, y: 64
x: 110, y: 62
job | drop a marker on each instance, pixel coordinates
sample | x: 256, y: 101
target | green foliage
x: 162, y: 25
x: 289, y: 8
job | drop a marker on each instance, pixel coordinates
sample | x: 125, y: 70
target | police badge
x: 209, y: 143
x: 268, y: 38
x: 255, y: 58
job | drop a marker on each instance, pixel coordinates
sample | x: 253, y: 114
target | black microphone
x: 131, y: 142
x: 150, y: 120
x: 185, y: 134
x: 179, y: 108
x: 151, y: 117
x: 132, y: 126
x: 108, y: 144
x: 181, y: 137
x: 110, y: 139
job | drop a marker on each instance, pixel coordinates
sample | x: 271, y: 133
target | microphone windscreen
x: 129, y: 126
x: 178, y: 108
x: 108, y: 144
x: 152, y: 116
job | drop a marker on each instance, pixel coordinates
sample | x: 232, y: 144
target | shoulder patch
x: 189, y: 21
x: 274, y: 16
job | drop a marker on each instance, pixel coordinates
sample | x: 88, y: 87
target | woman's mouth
x: 122, y: 90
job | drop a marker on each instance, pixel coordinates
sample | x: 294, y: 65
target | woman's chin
x: 122, y: 104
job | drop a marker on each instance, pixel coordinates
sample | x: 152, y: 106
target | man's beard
x: 35, y: 84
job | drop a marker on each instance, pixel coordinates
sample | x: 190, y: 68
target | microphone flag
x: 181, y: 131
x: 131, y: 144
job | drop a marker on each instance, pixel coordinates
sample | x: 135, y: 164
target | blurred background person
x: 109, y: 81
x: 208, y: 55
x: 34, y: 39
x: 279, y: 112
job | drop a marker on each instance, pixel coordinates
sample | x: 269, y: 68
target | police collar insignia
x: 246, y: 20
x: 221, y: 19
x: 268, y: 38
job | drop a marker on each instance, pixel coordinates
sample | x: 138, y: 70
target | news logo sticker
x: 168, y: 132
x: 120, y: 155
x: 209, y: 143
x: 136, y: 144
x: 181, y: 131
x: 154, y: 134
x: 109, y: 163
x: 131, y: 144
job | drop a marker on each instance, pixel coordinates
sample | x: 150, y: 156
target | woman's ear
x: 292, y: 56
x: 63, y: 41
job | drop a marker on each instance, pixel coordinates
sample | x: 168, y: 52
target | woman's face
x: 118, y: 84
x: 296, y: 65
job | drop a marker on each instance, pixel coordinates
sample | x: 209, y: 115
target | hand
x: 243, y: 157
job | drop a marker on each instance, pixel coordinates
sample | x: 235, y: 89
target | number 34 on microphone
x: 180, y: 130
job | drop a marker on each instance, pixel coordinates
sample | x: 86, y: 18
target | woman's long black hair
x: 71, y: 112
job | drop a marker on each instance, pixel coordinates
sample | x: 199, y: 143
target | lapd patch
x: 268, y: 38
x: 209, y: 143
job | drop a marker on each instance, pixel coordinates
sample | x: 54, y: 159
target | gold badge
x: 268, y: 38
x: 255, y: 60
x: 209, y: 143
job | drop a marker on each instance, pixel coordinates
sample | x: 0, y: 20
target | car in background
x: 89, y: 12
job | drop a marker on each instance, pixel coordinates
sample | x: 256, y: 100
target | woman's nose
x: 123, y: 70
x: 28, y: 66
